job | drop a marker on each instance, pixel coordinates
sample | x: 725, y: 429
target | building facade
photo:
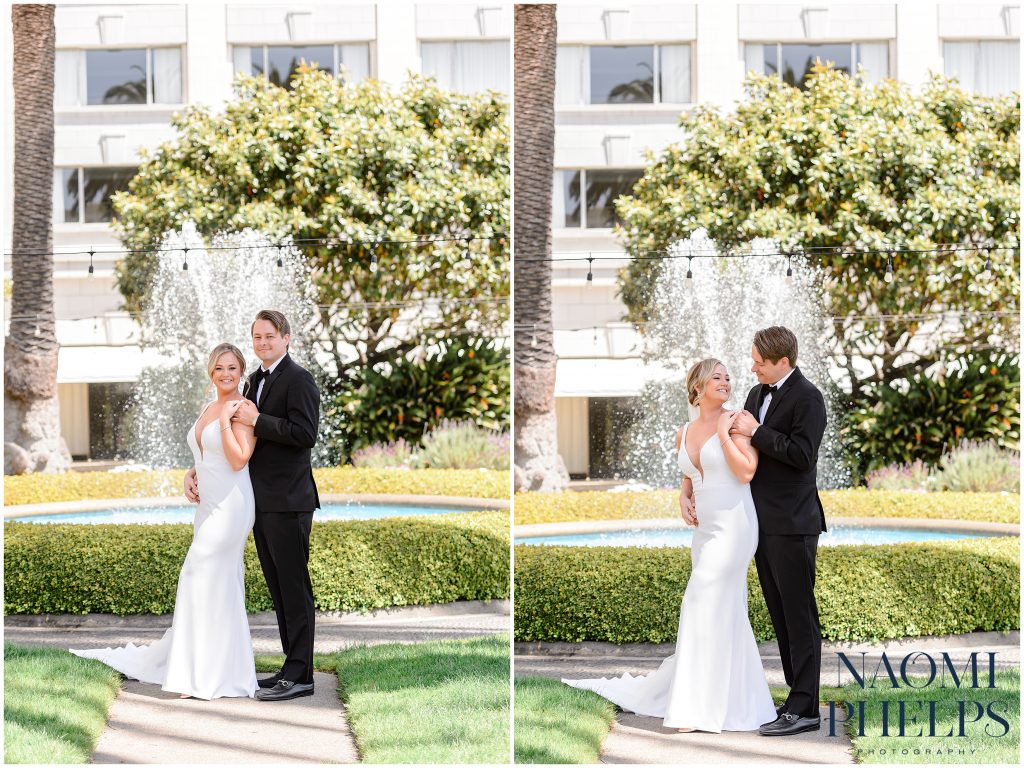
x: 624, y: 74
x: 123, y: 70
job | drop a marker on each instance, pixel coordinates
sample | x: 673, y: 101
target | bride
x: 714, y: 681
x: 207, y: 652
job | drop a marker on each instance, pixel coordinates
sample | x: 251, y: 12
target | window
x: 622, y: 74
x: 110, y: 420
x: 278, y: 63
x: 602, y: 188
x: 793, y: 61
x: 468, y: 66
x: 87, y: 191
x: 119, y: 77
x: 989, y: 67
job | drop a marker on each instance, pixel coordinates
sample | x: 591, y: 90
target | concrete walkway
x: 148, y: 725
x: 636, y: 739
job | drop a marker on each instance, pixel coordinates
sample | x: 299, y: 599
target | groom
x: 785, y: 418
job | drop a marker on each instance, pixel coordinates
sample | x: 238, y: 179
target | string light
x: 533, y: 339
x: 280, y: 261
x: 590, y: 272
x: 789, y: 266
x: 373, y: 258
x: 184, y: 264
x: 689, y: 269
x: 91, y: 268
x: 888, y: 269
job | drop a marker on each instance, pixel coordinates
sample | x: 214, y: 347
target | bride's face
x: 719, y: 387
x: 227, y: 374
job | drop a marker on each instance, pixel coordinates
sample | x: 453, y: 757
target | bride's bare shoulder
x: 679, y: 437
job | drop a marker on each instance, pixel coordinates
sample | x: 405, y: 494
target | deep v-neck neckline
x: 199, y: 435
x: 698, y: 467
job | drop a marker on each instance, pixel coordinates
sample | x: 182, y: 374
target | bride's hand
x: 228, y: 411
x: 725, y: 423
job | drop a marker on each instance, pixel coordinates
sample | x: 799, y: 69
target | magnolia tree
x: 368, y: 168
x: 844, y: 166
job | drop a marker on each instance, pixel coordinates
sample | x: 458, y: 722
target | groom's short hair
x: 275, y: 318
x: 775, y: 343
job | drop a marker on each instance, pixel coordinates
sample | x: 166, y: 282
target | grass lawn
x: 558, y: 724
x: 55, y: 705
x: 439, y: 702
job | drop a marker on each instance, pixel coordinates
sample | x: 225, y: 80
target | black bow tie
x: 261, y: 374
x: 767, y: 389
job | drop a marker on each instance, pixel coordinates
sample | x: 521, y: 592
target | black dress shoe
x: 269, y: 682
x: 284, y: 690
x: 789, y: 724
x: 779, y: 711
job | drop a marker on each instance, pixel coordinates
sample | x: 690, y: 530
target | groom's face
x: 268, y: 344
x: 766, y: 371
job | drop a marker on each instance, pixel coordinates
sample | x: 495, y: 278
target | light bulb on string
x: 91, y: 268
x: 373, y: 258
x: 889, y: 274
x: 590, y: 272
x: 280, y: 261
x: 533, y: 339
x: 689, y: 269
x: 184, y: 263
x: 789, y: 266
x: 986, y: 272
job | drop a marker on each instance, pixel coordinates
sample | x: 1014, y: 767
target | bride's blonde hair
x: 225, y: 348
x: 698, y: 376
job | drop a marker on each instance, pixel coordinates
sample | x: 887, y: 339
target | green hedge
x: 72, y: 486
x: 632, y: 594
x: 354, y: 565
x: 853, y: 502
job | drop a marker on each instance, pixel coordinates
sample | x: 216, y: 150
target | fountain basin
x: 156, y: 510
x: 671, y: 532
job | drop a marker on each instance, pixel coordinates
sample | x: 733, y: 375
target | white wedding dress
x: 714, y: 681
x: 207, y: 652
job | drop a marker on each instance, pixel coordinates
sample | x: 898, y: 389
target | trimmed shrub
x: 354, y: 565
x: 73, y: 486
x: 864, y: 593
x: 569, y: 506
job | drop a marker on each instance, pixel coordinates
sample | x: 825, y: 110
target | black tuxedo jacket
x: 281, y: 466
x: 785, y: 487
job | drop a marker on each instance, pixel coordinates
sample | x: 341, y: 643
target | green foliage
x: 407, y: 397
x: 980, y: 467
x: 568, y: 506
x: 864, y: 593
x: 455, y: 445
x: 354, y: 565
x: 847, y: 163
x: 346, y: 161
x: 926, y: 415
x: 76, y: 486
x: 55, y: 705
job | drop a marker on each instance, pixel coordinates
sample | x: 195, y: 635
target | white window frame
x: 973, y: 40
x: 854, y: 57
x: 83, y: 79
x: 371, y: 59
x: 584, y: 85
x: 58, y: 198
x: 456, y: 40
x: 583, y: 226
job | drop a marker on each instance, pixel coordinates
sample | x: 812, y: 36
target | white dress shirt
x: 768, y: 399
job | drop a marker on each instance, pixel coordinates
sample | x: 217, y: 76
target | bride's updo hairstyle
x: 697, y: 378
x: 221, y: 349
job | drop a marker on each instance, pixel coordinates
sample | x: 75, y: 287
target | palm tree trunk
x: 538, y: 465
x: 32, y: 439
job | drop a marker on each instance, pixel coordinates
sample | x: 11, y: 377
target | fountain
x: 715, y: 314
x: 228, y: 280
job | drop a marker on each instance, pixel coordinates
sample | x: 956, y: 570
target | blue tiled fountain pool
x: 171, y: 514
x: 683, y: 537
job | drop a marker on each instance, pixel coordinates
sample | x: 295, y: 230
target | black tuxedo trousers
x: 790, y: 518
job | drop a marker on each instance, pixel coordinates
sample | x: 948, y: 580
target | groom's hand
x: 246, y: 413
x: 191, y: 486
x: 744, y: 424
